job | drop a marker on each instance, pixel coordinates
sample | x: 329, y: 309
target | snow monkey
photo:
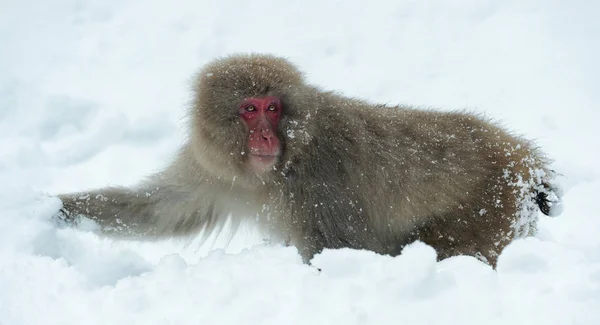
x: 317, y: 170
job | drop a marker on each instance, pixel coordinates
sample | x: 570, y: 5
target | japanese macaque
x: 319, y: 170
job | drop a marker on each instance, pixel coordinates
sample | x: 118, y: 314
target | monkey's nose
x: 267, y: 135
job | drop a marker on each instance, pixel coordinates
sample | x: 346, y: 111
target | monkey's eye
x: 272, y: 108
x: 250, y: 108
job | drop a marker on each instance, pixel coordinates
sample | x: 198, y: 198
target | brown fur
x: 352, y: 174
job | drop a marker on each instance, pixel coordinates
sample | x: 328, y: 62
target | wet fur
x: 352, y: 174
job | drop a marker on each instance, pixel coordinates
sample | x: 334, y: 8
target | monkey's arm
x: 151, y: 210
x: 116, y: 210
x: 182, y: 199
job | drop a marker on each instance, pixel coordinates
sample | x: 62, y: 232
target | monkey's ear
x: 203, y: 79
x: 207, y: 75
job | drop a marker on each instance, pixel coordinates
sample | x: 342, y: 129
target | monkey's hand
x: 65, y: 215
x: 64, y: 218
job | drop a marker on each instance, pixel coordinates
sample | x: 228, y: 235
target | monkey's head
x: 248, y: 114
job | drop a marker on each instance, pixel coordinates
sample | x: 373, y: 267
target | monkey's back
x: 451, y: 179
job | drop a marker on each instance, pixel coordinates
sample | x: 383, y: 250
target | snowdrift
x: 93, y: 94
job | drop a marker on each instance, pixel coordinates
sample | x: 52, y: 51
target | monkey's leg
x: 308, y: 244
x: 486, y: 223
x: 470, y: 232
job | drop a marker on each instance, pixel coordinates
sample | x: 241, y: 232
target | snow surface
x: 93, y: 93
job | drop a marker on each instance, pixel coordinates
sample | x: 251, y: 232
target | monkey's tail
x: 549, y: 199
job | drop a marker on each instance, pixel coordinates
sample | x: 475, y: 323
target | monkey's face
x: 261, y: 116
x: 250, y: 117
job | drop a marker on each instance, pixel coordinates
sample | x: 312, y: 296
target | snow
x: 93, y: 93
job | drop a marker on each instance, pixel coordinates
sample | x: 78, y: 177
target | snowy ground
x: 93, y: 93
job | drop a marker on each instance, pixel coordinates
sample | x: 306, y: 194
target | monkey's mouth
x: 261, y: 163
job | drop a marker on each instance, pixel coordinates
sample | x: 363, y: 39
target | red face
x: 261, y: 116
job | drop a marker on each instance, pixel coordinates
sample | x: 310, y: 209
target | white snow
x: 93, y: 93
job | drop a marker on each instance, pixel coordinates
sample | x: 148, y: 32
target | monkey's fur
x: 351, y: 174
